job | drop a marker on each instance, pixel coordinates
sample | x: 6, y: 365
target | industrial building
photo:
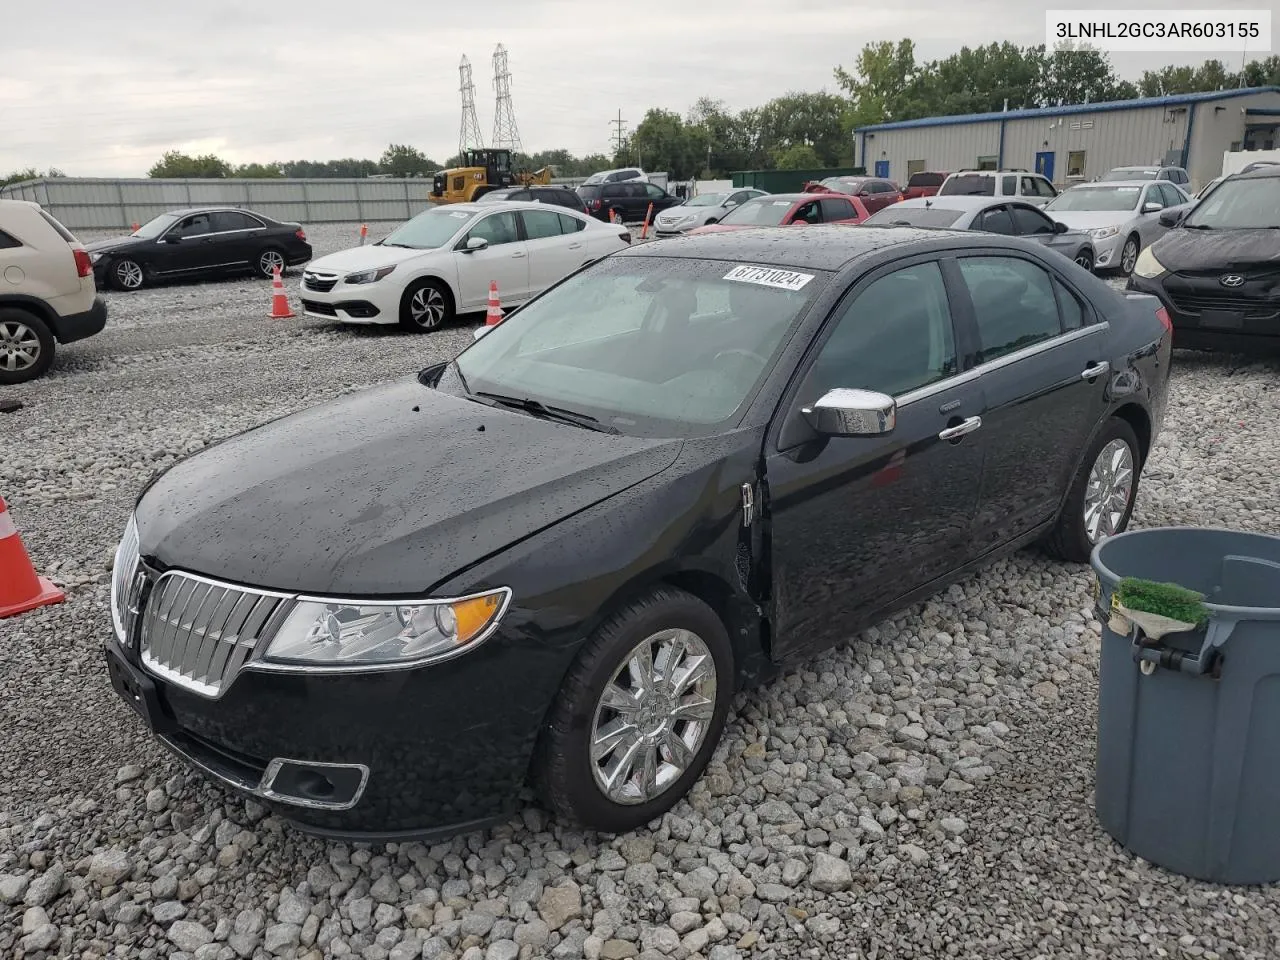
x: 1070, y: 144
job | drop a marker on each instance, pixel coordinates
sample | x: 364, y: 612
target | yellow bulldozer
x: 482, y: 170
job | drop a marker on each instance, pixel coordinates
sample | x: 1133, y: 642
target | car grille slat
x: 1194, y: 303
x: 198, y: 634
x: 319, y: 284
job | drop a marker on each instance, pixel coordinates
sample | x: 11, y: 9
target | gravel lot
x: 923, y: 792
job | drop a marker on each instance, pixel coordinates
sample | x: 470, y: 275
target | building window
x: 987, y: 163
x: 914, y: 167
x: 1075, y: 163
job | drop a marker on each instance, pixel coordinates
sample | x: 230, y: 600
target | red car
x: 789, y: 210
x: 923, y: 184
x: 875, y: 193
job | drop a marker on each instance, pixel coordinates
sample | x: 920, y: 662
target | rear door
x: 838, y: 210
x: 552, y: 254
x: 1037, y: 342
x: 995, y: 220
x: 238, y: 236
x: 857, y: 522
x: 505, y: 261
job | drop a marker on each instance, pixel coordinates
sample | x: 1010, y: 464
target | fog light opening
x: 325, y: 786
x: 314, y: 786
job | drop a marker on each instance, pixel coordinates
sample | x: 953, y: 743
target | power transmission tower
x: 469, y: 135
x: 619, y: 134
x: 505, y: 134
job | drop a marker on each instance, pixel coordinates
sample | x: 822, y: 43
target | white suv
x: 1019, y: 184
x: 47, y: 291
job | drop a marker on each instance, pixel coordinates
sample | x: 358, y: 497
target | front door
x: 1044, y: 164
x: 1035, y: 345
x: 882, y: 168
x: 856, y: 523
x: 504, y: 261
x: 193, y: 250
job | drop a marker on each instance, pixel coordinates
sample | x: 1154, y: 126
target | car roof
x: 820, y: 247
x: 188, y: 211
x: 478, y: 207
x: 958, y: 201
x: 1260, y: 173
x: 784, y: 196
x: 1108, y: 184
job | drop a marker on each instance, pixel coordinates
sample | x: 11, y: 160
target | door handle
x: 960, y: 429
x: 517, y: 256
x: 1095, y: 370
x: 575, y: 246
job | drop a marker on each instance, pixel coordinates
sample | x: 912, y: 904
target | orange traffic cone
x: 136, y: 226
x: 279, y: 299
x: 364, y: 233
x: 644, y: 231
x: 494, y: 315
x: 20, y: 589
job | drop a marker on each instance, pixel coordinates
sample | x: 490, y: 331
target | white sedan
x: 440, y: 263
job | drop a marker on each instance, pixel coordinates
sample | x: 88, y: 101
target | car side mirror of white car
x: 1152, y: 207
x: 481, y: 331
x: 474, y: 244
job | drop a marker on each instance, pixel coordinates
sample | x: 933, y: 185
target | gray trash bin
x: 1188, y: 763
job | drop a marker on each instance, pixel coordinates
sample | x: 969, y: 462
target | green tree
x: 30, y: 173
x: 1167, y: 81
x: 883, y: 85
x: 258, y: 171
x: 174, y: 163
x: 980, y: 80
x: 813, y: 119
x: 798, y: 156
x: 1262, y: 73
x: 401, y: 160
x: 1077, y: 75
x: 662, y: 141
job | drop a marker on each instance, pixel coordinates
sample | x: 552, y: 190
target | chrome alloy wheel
x: 653, y: 716
x: 19, y: 346
x: 129, y: 274
x: 1106, y: 497
x: 270, y: 261
x: 426, y: 307
x: 1129, y: 256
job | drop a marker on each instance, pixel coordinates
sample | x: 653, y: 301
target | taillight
x: 301, y: 235
x: 84, y: 266
x: 1163, y: 315
x: 595, y: 204
x: 902, y: 196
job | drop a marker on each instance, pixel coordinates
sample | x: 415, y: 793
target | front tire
x: 1129, y: 255
x: 639, y: 714
x: 425, y: 306
x: 268, y: 260
x: 26, y: 346
x: 1102, y: 493
x: 1085, y: 258
x: 126, y: 275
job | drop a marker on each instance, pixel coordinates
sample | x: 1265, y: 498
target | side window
x: 1045, y: 188
x: 1008, y: 186
x: 520, y: 195
x: 613, y: 191
x: 497, y: 228
x: 653, y: 192
x: 836, y: 208
x: 1013, y: 303
x: 8, y: 242
x: 807, y: 213
x: 1069, y: 307
x: 894, y: 337
x: 230, y: 220
x: 1029, y: 221
x: 541, y: 224
x: 995, y: 220
x: 636, y: 190
x: 571, y: 224
x: 739, y: 197
x: 193, y: 226
x: 1171, y: 195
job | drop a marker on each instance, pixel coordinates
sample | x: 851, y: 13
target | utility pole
x: 619, y: 137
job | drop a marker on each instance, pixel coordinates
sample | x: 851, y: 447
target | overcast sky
x: 101, y: 89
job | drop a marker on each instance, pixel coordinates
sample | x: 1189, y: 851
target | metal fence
x: 93, y: 203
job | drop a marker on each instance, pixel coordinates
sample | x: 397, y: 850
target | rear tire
x: 1081, y: 527
x: 425, y: 306
x: 269, y: 258
x: 26, y: 346
x: 599, y: 719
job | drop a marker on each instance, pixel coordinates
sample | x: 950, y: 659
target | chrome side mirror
x: 481, y: 331
x: 1152, y: 207
x: 843, y: 412
x: 476, y: 243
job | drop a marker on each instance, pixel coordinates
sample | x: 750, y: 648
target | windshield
x: 915, y: 216
x: 1130, y: 173
x: 706, y: 200
x: 759, y: 213
x: 968, y: 185
x: 428, y: 230
x: 1097, y: 199
x: 1239, y: 205
x: 153, y: 228
x: 650, y: 346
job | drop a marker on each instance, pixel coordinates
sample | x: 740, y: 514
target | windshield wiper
x: 539, y: 409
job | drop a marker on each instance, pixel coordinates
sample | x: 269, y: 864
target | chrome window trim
x: 258, y: 662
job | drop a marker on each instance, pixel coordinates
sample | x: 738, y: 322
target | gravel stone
x: 502, y: 950
x: 167, y: 911
x: 280, y: 937
x: 13, y: 888
x: 558, y: 905
x: 46, y: 887
x: 830, y: 874
x: 188, y: 935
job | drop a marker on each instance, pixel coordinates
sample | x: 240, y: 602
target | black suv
x: 630, y: 199
x: 560, y: 196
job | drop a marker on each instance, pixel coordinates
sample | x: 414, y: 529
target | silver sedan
x: 700, y: 210
x: 1122, y: 216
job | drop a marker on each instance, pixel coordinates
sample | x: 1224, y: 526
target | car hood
x: 388, y: 491
x: 1091, y: 219
x: 1200, y: 250
x: 365, y: 258
x: 115, y: 243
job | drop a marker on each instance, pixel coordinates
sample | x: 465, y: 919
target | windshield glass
x: 1096, y: 198
x: 1239, y: 205
x: 1130, y: 173
x: 759, y: 213
x: 153, y: 228
x: 915, y: 216
x: 428, y: 230
x: 706, y: 200
x: 968, y: 185
x: 651, y: 346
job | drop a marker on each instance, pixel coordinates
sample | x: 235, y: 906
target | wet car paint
x: 369, y: 487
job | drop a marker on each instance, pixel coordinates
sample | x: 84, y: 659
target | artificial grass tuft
x: 1163, y: 599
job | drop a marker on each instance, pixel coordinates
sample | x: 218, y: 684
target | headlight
x: 1103, y: 232
x: 368, y: 276
x: 345, y: 634
x: 121, y: 570
x: 1148, y: 267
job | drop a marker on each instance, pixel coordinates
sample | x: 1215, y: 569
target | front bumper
x: 1253, y: 329
x: 421, y: 753
x: 1107, y: 251
x: 78, y: 326
x: 364, y: 303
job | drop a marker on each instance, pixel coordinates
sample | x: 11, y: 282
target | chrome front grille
x: 321, y: 283
x: 198, y: 634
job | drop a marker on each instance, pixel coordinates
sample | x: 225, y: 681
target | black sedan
x: 1218, y: 271
x: 1013, y: 218
x: 559, y: 555
x: 208, y: 242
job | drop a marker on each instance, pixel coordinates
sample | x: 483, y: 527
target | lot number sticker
x: 769, y: 277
